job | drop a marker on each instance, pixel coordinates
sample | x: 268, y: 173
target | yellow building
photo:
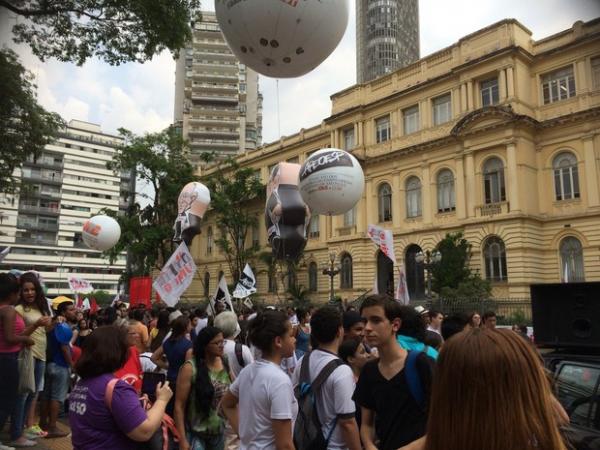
x: 497, y: 136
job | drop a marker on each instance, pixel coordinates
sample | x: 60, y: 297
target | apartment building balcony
x: 39, y: 209
x: 215, y: 66
x: 46, y: 163
x: 213, y: 120
x: 201, y: 131
x: 211, y: 110
x: 54, y: 178
x: 44, y: 193
x: 215, y: 97
x: 227, y: 88
x: 218, y: 77
x: 214, y: 52
x: 203, y: 41
x: 215, y: 143
x: 31, y: 225
x: 34, y: 241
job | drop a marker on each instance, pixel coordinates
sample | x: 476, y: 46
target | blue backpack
x: 413, y: 379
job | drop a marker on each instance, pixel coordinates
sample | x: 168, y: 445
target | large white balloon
x: 101, y: 232
x: 282, y: 38
x: 331, y: 181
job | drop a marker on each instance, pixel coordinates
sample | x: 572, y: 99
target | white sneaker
x: 6, y: 447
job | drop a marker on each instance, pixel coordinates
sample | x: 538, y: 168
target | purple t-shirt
x: 93, y: 425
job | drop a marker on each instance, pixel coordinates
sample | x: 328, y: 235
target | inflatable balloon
x: 282, y: 38
x: 331, y: 181
x: 193, y: 201
x: 101, y: 233
x: 286, y: 215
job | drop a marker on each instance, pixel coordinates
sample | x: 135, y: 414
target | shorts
x: 56, y: 383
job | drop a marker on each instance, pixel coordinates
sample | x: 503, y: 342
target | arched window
x: 291, y: 277
x: 413, y: 197
x: 494, y: 254
x: 566, y: 177
x: 385, y: 202
x: 312, y: 277
x: 571, y: 258
x: 346, y: 272
x: 209, y: 241
x: 445, y: 191
x: 206, y: 284
x: 493, y: 181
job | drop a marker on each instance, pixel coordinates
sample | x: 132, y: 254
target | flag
x: 402, y: 296
x: 5, y: 251
x: 384, y: 239
x: 222, y: 295
x: 176, y: 276
x: 79, y: 285
x: 246, y: 285
x: 248, y: 303
x: 93, y: 306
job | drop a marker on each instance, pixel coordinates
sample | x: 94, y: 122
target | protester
x: 411, y: 335
x: 131, y: 372
x: 12, y: 340
x: 353, y: 353
x: 260, y: 404
x: 335, y: 407
x: 238, y: 355
x: 84, y: 332
x: 477, y: 403
x: 34, y: 309
x: 454, y: 324
x: 489, y: 320
x: 302, y: 332
x: 100, y: 419
x: 475, y: 320
x: 136, y: 324
x: 159, y: 333
x: 201, y: 384
x: 436, y: 318
x: 391, y: 412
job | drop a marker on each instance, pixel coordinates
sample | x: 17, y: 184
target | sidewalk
x: 47, y: 444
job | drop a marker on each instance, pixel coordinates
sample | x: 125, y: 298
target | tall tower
x: 217, y: 103
x: 387, y: 36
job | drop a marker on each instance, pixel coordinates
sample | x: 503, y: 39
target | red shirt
x: 131, y: 372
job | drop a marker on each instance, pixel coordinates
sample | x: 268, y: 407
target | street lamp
x: 428, y: 260
x: 331, y: 272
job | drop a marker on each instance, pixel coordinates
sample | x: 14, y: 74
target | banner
x: 79, y: 285
x: 140, y: 291
x: 246, y: 285
x: 176, y: 276
x: 402, y: 296
x: 221, y: 295
x: 384, y: 239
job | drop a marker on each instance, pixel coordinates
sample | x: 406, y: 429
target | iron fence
x: 509, y: 311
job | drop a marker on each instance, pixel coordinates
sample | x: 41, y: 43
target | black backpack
x: 307, y: 429
x: 239, y: 354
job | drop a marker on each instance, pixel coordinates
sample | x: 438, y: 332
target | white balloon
x: 101, y: 232
x: 331, y: 181
x: 282, y: 38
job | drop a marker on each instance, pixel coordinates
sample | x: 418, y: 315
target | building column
x: 362, y: 208
x: 370, y: 205
x: 470, y: 183
x: 333, y: 139
x: 470, y: 104
x: 512, y: 182
x: 582, y: 83
x: 591, y: 171
x: 424, y: 114
x: 456, y: 106
x: 502, y: 85
x: 357, y: 134
x: 510, y: 82
x: 426, y: 194
x: 396, y: 200
x: 460, y: 189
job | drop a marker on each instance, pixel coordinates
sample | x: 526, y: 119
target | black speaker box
x: 566, y: 314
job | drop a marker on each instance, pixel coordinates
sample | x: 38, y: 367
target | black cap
x: 351, y: 318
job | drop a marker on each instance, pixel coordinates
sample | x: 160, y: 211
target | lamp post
x: 428, y: 260
x: 331, y: 272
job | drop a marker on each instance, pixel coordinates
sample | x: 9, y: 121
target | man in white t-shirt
x: 227, y: 322
x: 435, y: 321
x: 335, y: 406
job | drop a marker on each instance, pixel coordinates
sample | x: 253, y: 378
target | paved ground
x: 47, y: 444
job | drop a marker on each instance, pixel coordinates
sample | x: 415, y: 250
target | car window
x: 578, y: 392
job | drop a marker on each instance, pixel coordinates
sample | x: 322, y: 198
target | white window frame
x: 494, y: 178
x: 558, y: 85
x: 494, y: 254
x: 441, y: 108
x: 489, y: 92
x: 595, y: 66
x: 445, y: 191
x: 350, y: 217
x: 382, y: 129
x: 410, y: 119
x: 566, y: 177
x: 348, y: 135
x: 571, y: 260
x: 413, y: 197
x: 313, y: 227
x: 384, y: 199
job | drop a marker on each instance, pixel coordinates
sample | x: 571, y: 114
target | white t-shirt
x: 288, y: 365
x: 202, y: 323
x: 234, y: 365
x: 146, y: 362
x: 265, y: 393
x: 335, y: 396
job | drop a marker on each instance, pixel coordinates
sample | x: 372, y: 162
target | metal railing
x: 509, y: 311
x: 39, y: 209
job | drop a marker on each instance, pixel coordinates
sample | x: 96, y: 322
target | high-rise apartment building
x: 66, y: 185
x: 217, y: 102
x: 387, y: 36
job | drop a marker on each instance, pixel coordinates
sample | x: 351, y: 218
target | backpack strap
x: 412, y: 378
x: 316, y: 386
x: 304, y: 370
x: 239, y: 355
x: 108, y: 394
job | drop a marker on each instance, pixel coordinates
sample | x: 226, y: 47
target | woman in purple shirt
x: 96, y: 423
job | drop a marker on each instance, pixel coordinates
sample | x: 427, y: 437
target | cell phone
x: 149, y: 382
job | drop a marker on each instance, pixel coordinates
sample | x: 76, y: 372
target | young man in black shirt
x: 390, y: 409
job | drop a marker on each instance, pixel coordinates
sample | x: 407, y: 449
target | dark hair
x: 432, y: 339
x: 179, y: 327
x: 433, y: 313
x: 104, y: 351
x: 108, y: 316
x: 301, y: 314
x: 8, y: 285
x: 40, y: 299
x: 390, y: 308
x: 265, y: 327
x: 472, y: 316
x: 204, y: 389
x: 62, y: 307
x: 487, y: 315
x: 412, y: 323
x: 523, y: 329
x: 324, y: 324
x: 453, y: 324
x: 162, y: 325
x: 138, y: 314
x: 348, y: 349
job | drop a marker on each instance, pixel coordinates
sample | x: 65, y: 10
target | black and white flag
x: 221, y: 295
x: 246, y: 285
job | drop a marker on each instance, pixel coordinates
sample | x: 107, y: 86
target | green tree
x: 159, y: 161
x: 116, y: 31
x: 25, y: 127
x: 234, y: 191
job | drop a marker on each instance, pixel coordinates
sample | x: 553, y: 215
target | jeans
x: 24, y: 401
x: 9, y: 383
x: 56, y: 383
x: 197, y: 442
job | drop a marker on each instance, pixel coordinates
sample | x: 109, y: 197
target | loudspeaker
x: 566, y: 314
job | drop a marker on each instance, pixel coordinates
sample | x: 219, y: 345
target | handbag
x: 26, y: 372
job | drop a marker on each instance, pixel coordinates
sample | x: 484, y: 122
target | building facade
x: 217, y: 102
x: 65, y: 186
x: 496, y: 136
x: 387, y: 37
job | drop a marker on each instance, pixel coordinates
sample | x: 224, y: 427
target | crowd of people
x: 383, y: 376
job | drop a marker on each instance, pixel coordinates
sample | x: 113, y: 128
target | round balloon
x: 282, y: 38
x: 331, y: 181
x: 101, y: 232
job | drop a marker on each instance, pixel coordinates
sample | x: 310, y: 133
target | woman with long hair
x: 490, y: 391
x: 159, y: 333
x: 260, y: 404
x: 474, y: 320
x: 302, y: 332
x: 201, y: 384
x: 105, y: 412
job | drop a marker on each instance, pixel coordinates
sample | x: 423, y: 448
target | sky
x: 140, y: 97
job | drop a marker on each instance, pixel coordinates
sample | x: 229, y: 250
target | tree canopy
x: 25, y: 127
x: 116, y: 31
